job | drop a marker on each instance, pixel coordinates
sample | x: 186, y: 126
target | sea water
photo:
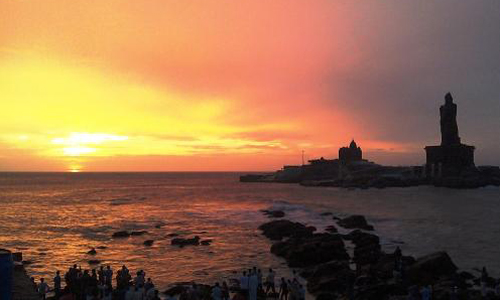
x: 55, y: 218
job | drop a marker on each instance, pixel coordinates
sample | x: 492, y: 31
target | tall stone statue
x: 449, y: 127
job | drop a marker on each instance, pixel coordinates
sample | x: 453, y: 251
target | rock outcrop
x: 195, y: 241
x: 279, y: 229
x: 355, y: 222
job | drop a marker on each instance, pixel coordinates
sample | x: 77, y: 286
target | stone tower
x: 452, y: 157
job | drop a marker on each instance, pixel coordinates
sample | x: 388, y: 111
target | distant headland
x: 450, y: 164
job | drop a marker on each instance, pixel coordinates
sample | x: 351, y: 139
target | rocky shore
x: 368, y: 272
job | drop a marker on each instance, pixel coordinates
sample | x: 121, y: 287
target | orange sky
x: 217, y: 84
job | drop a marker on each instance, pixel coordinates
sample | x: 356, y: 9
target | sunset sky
x: 164, y: 85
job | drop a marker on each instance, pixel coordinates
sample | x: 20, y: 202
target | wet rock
x: 274, y: 213
x: 356, y: 221
x: 92, y: 252
x: 277, y: 230
x: 148, y: 243
x: 428, y: 269
x: 94, y: 262
x: 205, y: 242
x: 311, y: 250
x: 137, y: 233
x: 185, y: 242
x: 121, y: 234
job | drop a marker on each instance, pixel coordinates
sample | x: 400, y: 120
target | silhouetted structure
x: 351, y: 153
x: 452, y: 157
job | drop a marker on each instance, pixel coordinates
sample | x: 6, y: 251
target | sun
x: 74, y: 169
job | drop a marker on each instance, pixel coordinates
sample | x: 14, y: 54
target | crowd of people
x: 97, y: 284
x: 253, y: 286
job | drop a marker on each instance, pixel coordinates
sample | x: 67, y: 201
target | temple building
x: 452, y: 157
x: 351, y: 153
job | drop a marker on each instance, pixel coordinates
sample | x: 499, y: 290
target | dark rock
x: 367, y: 250
x: 356, y: 221
x: 27, y: 262
x: 94, y: 262
x: 331, y: 278
x: 17, y: 256
x: 206, y: 242
x: 185, y: 242
x: 102, y: 247
x: 148, y: 242
x: 136, y: 233
x: 274, y: 213
x: 92, y: 252
x: 324, y: 214
x: 322, y: 270
x: 175, y: 290
x: 375, y: 290
x: 172, y: 234
x: 466, y: 275
x: 121, y: 234
x: 311, y: 250
x: 385, y: 265
x: 331, y: 229
x: 277, y: 230
x: 428, y: 269
x: 326, y: 296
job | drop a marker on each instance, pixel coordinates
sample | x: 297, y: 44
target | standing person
x: 302, y: 292
x: 139, y: 292
x: 225, y: 291
x: 216, y: 292
x: 108, y: 274
x: 43, y: 288
x: 426, y: 293
x: 270, y: 281
x: 100, y: 275
x: 293, y: 289
x: 244, y: 284
x: 259, y: 279
x: 253, y: 283
x: 129, y: 295
x: 283, y: 289
x: 57, y: 284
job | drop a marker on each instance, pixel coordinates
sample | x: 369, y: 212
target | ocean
x: 55, y: 218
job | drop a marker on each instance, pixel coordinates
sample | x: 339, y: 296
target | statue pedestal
x: 451, y: 160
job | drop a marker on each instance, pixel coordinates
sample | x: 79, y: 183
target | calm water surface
x: 55, y: 218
